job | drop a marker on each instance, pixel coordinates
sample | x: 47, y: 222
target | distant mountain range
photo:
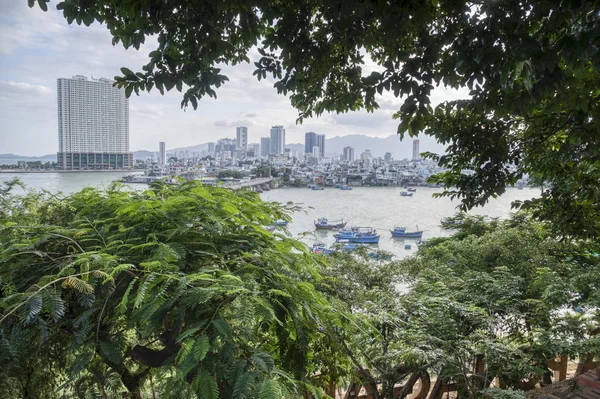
x: 333, y: 147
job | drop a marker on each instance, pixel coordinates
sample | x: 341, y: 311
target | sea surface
x: 381, y: 208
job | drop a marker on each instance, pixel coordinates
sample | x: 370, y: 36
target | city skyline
x: 37, y: 48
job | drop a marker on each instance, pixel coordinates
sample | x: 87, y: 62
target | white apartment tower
x: 277, y: 141
x: 416, y: 156
x: 93, y: 125
x: 162, y: 153
x: 242, y: 138
x: 348, y: 154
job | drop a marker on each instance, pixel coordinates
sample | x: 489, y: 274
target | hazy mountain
x: 378, y: 145
x: 10, y: 159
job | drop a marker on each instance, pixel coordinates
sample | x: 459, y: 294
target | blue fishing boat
x: 365, y: 235
x: 325, y: 224
x: 280, y: 223
x: 320, y: 248
x: 406, y: 194
x: 401, y: 232
x: 318, y: 188
x: 345, y: 187
x: 411, y: 189
x: 407, y: 246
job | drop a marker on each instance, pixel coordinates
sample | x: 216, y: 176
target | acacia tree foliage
x: 175, y: 291
x: 532, y: 68
x: 507, y: 291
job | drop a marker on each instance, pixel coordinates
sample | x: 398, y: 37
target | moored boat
x: 280, y: 223
x: 401, y: 232
x: 411, y: 189
x: 406, y: 194
x: 365, y: 235
x: 318, y: 188
x: 325, y: 224
x: 345, y: 187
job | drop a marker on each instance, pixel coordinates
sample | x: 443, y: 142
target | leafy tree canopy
x: 532, y: 68
x: 176, y: 291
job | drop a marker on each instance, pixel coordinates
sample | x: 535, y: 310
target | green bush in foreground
x: 171, y: 291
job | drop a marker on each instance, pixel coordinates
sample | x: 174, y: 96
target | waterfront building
x: 242, y: 137
x: 348, y: 154
x: 277, y: 140
x: 93, y: 125
x: 162, y: 153
x: 416, y: 155
x: 265, y: 146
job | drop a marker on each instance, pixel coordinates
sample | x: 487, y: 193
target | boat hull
x: 416, y: 234
x: 330, y: 226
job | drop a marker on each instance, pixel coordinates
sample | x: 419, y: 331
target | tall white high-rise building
x: 242, y: 137
x: 93, y: 124
x: 348, y: 154
x: 162, y: 153
x: 416, y: 156
x: 277, y: 140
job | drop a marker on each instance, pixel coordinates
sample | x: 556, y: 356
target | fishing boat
x: 280, y: 223
x: 406, y: 194
x: 365, y: 235
x: 449, y: 222
x: 320, y: 248
x: 401, y: 232
x: 318, y: 188
x: 270, y: 228
x: 345, y: 187
x: 325, y: 224
x: 411, y: 189
x: 407, y: 246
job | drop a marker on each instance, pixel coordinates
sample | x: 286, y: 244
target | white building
x: 242, y: 137
x: 93, y: 124
x: 316, y: 152
x: 277, y: 140
x: 348, y: 154
x: 416, y: 156
x: 162, y: 153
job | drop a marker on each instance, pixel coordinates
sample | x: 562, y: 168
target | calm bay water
x: 379, y: 207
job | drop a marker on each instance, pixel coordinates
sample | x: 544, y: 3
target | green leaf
x: 207, y: 386
x: 270, y: 389
x: 201, y: 347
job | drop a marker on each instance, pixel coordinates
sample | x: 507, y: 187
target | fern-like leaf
x: 78, y: 285
x: 207, y: 386
x: 269, y: 389
x: 35, y: 307
x: 201, y: 347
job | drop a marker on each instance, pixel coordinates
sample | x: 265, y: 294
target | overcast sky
x: 36, y: 48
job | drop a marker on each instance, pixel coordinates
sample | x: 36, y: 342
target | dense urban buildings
x: 93, y: 125
x: 416, y: 156
x: 241, y: 137
x: 277, y: 141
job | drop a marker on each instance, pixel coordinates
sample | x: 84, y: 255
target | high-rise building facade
x: 93, y: 125
x: 162, y: 153
x: 312, y: 140
x: 241, y: 137
x: 348, y: 154
x: 277, y: 140
x: 265, y: 146
x: 416, y: 156
x: 388, y: 156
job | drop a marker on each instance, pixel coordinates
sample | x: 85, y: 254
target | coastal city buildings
x: 241, y: 137
x: 277, y: 141
x: 93, y: 125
